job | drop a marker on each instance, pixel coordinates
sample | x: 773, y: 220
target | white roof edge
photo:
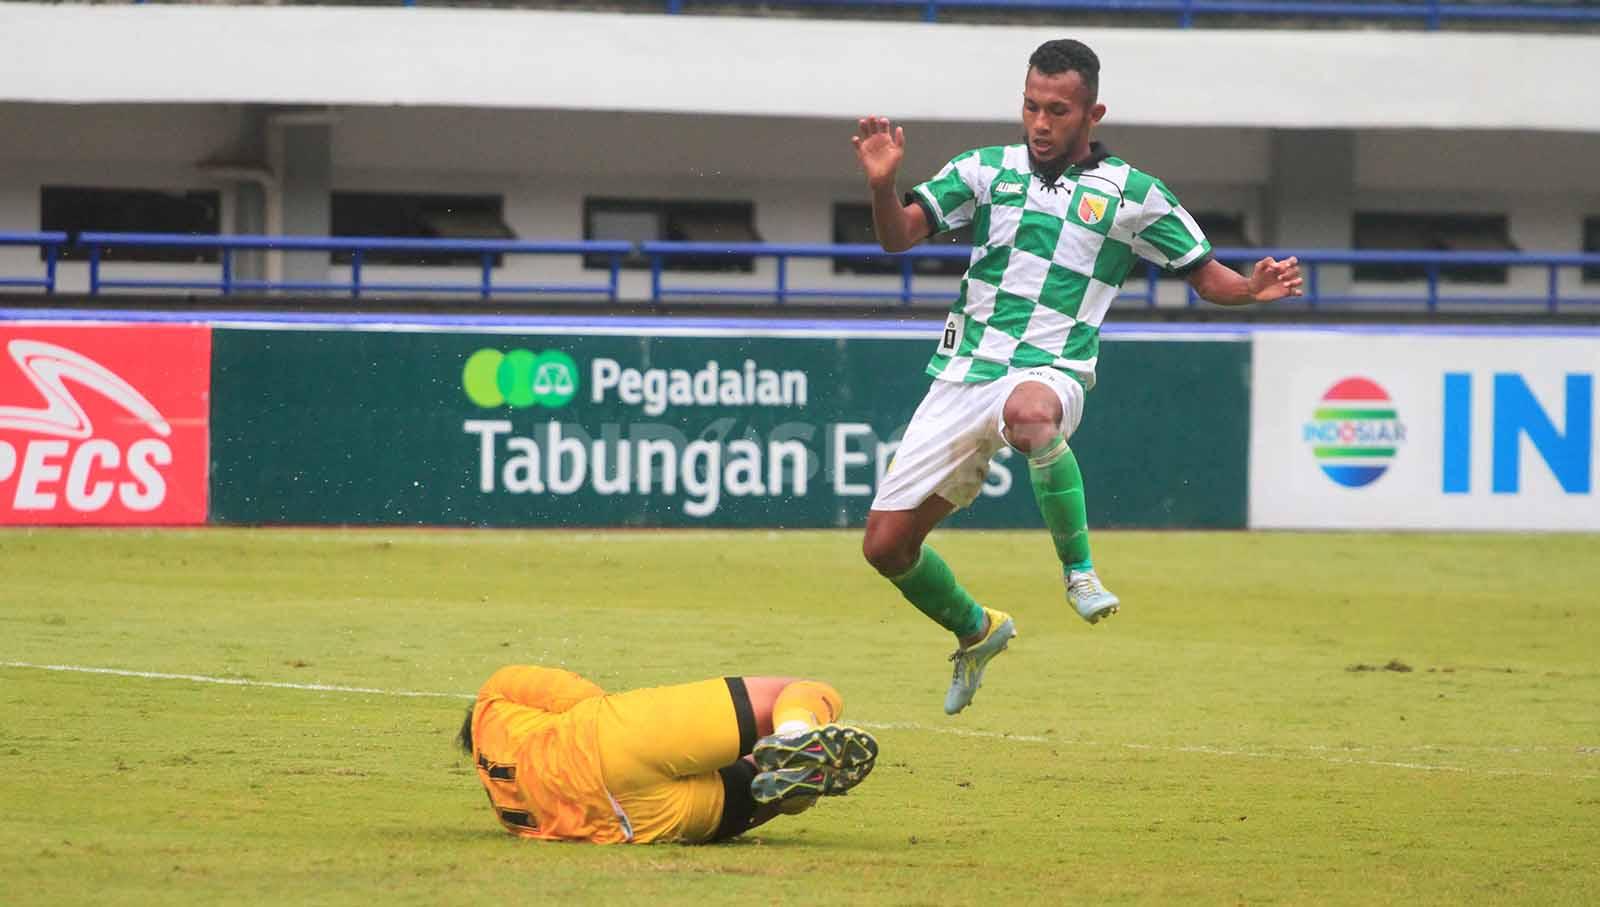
x: 527, y: 59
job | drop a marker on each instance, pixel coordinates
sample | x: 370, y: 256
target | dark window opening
x: 852, y: 223
x: 1225, y: 230
x: 644, y: 220
x: 1432, y: 232
x: 77, y: 209
x: 394, y: 215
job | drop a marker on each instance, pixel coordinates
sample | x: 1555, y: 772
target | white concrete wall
x: 147, y: 147
x: 519, y: 59
x: 1546, y: 184
x: 546, y: 162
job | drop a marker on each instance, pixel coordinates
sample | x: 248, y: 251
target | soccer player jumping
x: 1057, y: 224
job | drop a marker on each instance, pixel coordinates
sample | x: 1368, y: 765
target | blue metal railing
x: 1311, y: 261
x: 1433, y: 265
x: 896, y: 282
x: 660, y: 254
x: 1431, y: 13
x: 485, y: 287
x: 50, y: 243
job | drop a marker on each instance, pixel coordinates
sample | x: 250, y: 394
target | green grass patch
x: 1273, y: 718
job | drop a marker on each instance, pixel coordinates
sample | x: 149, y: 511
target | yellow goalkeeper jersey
x: 535, y: 744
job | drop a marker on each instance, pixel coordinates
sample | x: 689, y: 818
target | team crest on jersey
x: 1092, y: 208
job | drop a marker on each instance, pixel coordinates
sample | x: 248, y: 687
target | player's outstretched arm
x: 880, y: 147
x: 1271, y: 280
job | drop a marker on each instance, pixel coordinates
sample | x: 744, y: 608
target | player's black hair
x: 1066, y: 55
x: 465, y: 737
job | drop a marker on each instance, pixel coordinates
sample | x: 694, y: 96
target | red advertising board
x: 105, y: 424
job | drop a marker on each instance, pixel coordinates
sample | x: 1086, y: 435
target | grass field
x: 1241, y: 733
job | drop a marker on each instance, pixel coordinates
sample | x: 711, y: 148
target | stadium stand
x: 513, y: 138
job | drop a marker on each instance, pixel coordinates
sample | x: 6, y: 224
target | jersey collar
x: 1052, y: 173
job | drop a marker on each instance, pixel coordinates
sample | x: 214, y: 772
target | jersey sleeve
x: 1166, y: 235
x: 549, y: 689
x: 950, y: 197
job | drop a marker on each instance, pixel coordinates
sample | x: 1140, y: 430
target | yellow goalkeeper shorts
x: 660, y: 749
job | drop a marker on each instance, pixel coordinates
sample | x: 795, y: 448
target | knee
x: 889, y: 555
x: 1031, y: 423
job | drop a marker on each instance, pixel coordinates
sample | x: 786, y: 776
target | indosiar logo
x: 1355, y: 432
x: 520, y: 379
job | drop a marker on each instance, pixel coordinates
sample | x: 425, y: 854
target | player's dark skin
x: 1059, y: 115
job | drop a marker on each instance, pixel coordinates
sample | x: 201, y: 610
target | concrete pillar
x: 305, y: 179
x: 250, y: 195
x: 1310, y: 196
x: 249, y: 219
x: 243, y: 171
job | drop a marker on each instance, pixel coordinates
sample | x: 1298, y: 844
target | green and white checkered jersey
x: 1047, y: 263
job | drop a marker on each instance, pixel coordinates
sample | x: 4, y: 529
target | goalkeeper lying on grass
x: 562, y: 759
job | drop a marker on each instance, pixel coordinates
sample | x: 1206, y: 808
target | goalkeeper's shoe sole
x: 820, y: 762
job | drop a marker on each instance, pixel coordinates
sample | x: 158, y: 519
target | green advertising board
x: 396, y: 427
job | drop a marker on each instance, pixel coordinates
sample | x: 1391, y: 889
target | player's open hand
x: 880, y: 146
x: 1272, y: 279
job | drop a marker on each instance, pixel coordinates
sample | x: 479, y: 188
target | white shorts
x: 956, y: 431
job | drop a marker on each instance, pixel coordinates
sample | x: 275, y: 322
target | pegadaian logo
x: 520, y: 379
x: 1355, y: 432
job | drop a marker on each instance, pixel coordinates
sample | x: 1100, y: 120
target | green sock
x: 1058, y: 489
x: 933, y: 589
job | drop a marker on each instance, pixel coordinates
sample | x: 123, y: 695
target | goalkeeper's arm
x: 550, y: 689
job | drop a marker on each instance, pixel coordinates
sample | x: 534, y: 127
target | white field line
x: 879, y: 725
x: 233, y: 681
